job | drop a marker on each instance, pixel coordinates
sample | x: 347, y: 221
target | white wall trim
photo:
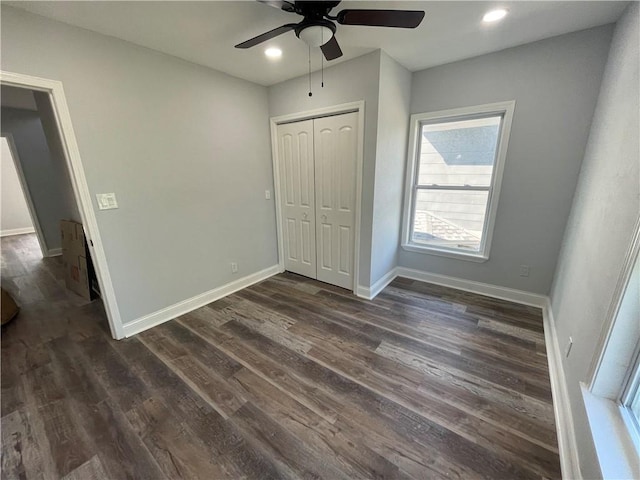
x: 567, y: 443
x: 17, y: 231
x: 495, y: 291
x: 193, y: 303
x: 80, y: 187
x: 306, y: 115
x: 54, y: 252
x: 372, y: 292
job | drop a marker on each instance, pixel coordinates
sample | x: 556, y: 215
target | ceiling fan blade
x: 280, y: 4
x: 331, y: 49
x: 267, y: 36
x: 381, y: 18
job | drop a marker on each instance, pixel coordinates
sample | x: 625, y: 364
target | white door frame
x: 80, y: 188
x: 306, y: 115
x: 15, y: 157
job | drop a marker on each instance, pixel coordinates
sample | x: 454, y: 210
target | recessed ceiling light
x: 494, y: 15
x: 273, y: 52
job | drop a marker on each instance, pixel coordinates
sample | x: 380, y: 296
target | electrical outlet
x: 267, y: 194
x: 524, y: 270
x: 234, y: 267
x: 567, y: 349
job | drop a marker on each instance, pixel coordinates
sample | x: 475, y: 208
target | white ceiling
x: 205, y: 32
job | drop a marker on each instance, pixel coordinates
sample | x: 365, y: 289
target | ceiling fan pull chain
x: 322, y: 64
x: 310, y: 94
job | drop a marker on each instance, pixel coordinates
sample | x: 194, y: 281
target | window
x: 612, y: 399
x: 453, y: 180
x: 628, y: 315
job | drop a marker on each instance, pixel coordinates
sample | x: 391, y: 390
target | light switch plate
x: 106, y: 201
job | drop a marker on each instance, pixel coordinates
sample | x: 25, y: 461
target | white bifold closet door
x: 317, y: 164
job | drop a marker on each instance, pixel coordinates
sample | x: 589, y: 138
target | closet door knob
x: 304, y: 215
x: 324, y: 218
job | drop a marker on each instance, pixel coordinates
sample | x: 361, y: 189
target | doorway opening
x: 16, y: 209
x: 53, y: 178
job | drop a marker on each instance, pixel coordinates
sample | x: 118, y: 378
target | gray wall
x: 605, y: 207
x: 351, y: 81
x: 391, y: 157
x: 555, y: 84
x: 41, y: 174
x: 185, y: 148
x: 14, y: 213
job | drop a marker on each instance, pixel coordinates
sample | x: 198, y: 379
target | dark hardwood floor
x: 290, y: 378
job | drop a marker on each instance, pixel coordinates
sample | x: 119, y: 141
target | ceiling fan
x: 317, y: 28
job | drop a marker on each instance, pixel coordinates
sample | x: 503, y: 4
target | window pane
x: 458, y: 153
x: 450, y: 218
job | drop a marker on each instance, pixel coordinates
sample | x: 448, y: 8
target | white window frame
x: 505, y: 109
x: 614, y: 430
x: 630, y: 390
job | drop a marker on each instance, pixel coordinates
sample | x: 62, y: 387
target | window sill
x: 616, y: 452
x: 478, y: 258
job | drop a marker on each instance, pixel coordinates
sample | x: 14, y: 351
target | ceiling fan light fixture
x: 315, y: 35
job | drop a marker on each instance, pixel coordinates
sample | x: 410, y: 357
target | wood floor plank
x: 123, y: 384
x: 231, y: 451
x: 33, y: 446
x: 12, y: 395
x: 177, y: 450
x: 327, y: 441
x: 289, y: 378
x: 276, y: 373
x: 511, y: 400
x: 68, y: 445
x: 439, y: 329
x: 108, y: 430
x: 23, y: 456
x: 350, y: 393
x: 211, y: 387
x: 90, y: 470
x: 439, y: 412
x: 434, y: 332
x: 204, y: 352
x: 294, y: 458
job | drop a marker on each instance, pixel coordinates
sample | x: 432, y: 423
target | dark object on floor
x: 8, y: 307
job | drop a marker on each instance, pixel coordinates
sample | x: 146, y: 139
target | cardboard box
x: 79, y: 274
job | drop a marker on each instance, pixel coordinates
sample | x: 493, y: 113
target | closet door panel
x: 297, y: 196
x: 335, y: 150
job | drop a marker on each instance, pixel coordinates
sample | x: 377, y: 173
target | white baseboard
x: 180, y: 308
x: 54, y: 252
x: 567, y: 444
x: 495, y: 291
x: 17, y: 231
x: 371, y: 292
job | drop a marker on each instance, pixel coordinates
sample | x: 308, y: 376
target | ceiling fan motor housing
x: 318, y: 27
